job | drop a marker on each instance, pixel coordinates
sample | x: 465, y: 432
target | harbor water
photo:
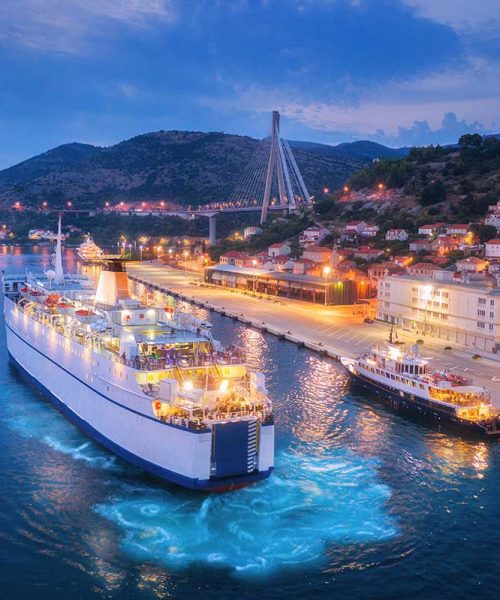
x: 362, y: 504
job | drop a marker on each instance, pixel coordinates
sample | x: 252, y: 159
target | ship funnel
x: 112, y: 287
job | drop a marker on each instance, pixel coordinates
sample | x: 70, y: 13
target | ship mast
x: 59, y: 278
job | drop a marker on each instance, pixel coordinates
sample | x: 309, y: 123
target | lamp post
x: 254, y: 263
x: 158, y: 250
x: 186, y: 254
x: 140, y: 249
x: 326, y: 272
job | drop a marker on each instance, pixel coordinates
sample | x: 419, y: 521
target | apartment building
x: 465, y: 314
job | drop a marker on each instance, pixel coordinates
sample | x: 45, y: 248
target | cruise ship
x: 404, y: 381
x: 150, y: 385
x: 89, y: 252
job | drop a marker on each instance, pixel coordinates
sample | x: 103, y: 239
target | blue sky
x: 400, y: 72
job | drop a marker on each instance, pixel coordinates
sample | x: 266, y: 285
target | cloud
x: 437, y: 107
x: 69, y: 26
x: 459, y: 14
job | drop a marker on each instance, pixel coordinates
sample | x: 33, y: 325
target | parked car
x: 368, y: 320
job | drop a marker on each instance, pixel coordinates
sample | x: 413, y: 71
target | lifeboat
x: 66, y: 308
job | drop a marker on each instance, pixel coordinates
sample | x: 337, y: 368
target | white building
x: 355, y: 227
x: 458, y: 313
x: 433, y: 229
x: 313, y: 235
x: 458, y: 229
x: 251, y: 231
x: 493, y: 216
x: 370, y: 230
x: 399, y: 235
x: 492, y: 248
x: 278, y: 249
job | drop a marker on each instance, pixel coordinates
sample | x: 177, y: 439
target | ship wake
x: 312, y: 502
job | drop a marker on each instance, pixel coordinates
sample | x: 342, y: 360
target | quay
x: 331, y: 331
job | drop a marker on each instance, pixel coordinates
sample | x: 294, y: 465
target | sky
x: 398, y: 72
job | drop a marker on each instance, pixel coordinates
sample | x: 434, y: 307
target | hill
x: 178, y: 166
x: 453, y: 184
x: 362, y: 150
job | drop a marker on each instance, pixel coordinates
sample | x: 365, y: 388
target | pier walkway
x: 332, y: 331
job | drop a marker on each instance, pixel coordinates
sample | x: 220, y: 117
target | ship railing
x: 203, y: 422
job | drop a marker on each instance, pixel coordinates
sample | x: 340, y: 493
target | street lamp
x: 140, y: 248
x: 326, y: 272
x: 254, y: 263
x: 158, y: 250
x: 186, y: 254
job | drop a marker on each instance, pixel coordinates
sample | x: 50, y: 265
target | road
x: 335, y: 329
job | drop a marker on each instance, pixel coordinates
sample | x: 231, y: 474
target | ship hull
x: 90, y: 394
x: 418, y: 408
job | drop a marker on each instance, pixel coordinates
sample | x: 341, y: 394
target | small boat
x: 89, y: 252
x: 404, y: 381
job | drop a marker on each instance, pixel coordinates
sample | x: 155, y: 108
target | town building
x: 458, y: 313
x: 233, y: 257
x: 422, y: 269
x: 433, y: 229
x: 378, y: 270
x: 420, y: 246
x: 318, y: 254
x: 367, y: 253
x: 249, y: 232
x: 462, y: 229
x: 287, y: 285
x: 493, y: 216
x: 279, y: 248
x: 396, y: 235
x: 471, y: 264
x: 492, y: 248
x: 443, y: 245
x: 313, y: 235
x: 355, y: 227
x: 370, y: 231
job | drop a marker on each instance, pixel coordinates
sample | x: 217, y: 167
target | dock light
x: 224, y: 386
x: 188, y: 385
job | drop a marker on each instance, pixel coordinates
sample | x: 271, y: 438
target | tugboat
x: 89, y: 252
x: 404, y: 381
x: 149, y: 385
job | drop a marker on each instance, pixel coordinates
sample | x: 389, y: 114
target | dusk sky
x: 400, y: 72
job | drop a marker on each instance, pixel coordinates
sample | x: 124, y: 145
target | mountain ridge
x: 180, y: 166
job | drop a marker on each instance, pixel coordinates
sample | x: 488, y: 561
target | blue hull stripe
x: 171, y: 476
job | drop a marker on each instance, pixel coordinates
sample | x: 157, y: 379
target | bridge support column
x: 212, y: 230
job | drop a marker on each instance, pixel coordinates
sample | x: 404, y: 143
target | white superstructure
x: 151, y: 386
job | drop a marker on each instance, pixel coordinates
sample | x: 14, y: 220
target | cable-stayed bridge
x: 270, y: 181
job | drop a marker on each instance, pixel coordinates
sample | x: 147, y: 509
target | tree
x: 483, y: 233
x: 470, y: 141
x: 433, y: 193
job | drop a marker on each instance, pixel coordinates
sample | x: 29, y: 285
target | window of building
x: 481, y: 313
x: 480, y: 324
x: 481, y: 300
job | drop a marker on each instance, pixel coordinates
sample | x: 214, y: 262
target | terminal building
x: 458, y: 313
x: 288, y: 285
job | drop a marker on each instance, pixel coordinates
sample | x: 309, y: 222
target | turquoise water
x: 362, y: 504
